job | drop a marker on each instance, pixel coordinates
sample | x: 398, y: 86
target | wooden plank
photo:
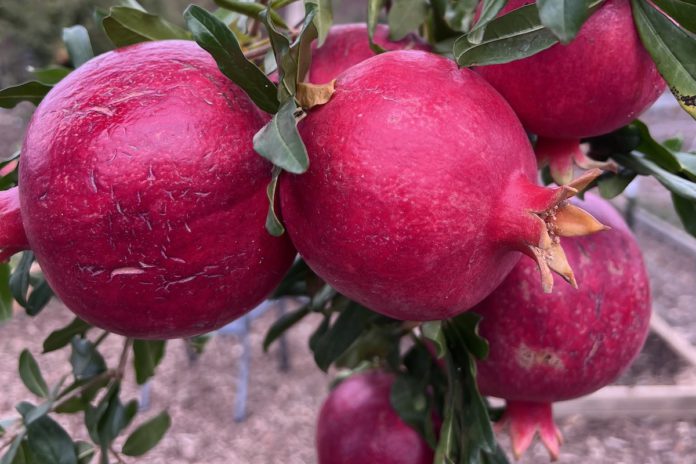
x: 672, y: 338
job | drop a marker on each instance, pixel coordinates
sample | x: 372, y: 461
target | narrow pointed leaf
x: 5, y: 293
x: 31, y: 91
x: 280, y: 142
x: 76, y: 39
x: 374, y: 7
x: 127, y: 26
x: 682, y: 11
x: 564, y: 17
x: 405, y: 16
x: 250, y: 9
x: 147, y: 354
x: 31, y: 376
x: 323, y: 18
x: 61, y: 337
x: 273, y: 224
x: 489, y: 10
x: 147, y: 435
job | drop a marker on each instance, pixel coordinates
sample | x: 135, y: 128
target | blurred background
x: 658, y: 426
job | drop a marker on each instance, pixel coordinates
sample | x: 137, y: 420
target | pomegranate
x: 357, y: 425
x: 142, y: 197
x: 347, y: 45
x: 417, y: 202
x: 547, y: 348
x: 569, y: 92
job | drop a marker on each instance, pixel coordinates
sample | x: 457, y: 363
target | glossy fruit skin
x: 357, y: 425
x: 600, y: 81
x: 404, y: 206
x: 347, y: 45
x: 142, y: 197
x: 552, y: 347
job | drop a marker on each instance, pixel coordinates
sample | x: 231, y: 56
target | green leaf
x: 71, y: 406
x: 31, y: 413
x: 408, y: 398
x: 85, y: 360
x: 39, y: 297
x: 61, y: 337
x: 323, y: 18
x: 147, y: 435
x: 467, y: 326
x: 85, y: 452
x: 673, y: 51
x: 31, y: 376
x: 19, y: 280
x: 564, y: 17
x: 105, y: 421
x: 687, y: 213
x: 447, y: 445
x: 433, y: 331
x: 76, y: 39
x: 273, y: 224
x: 682, y: 11
x: 51, y: 75
x: 294, y: 280
x: 672, y: 182
x: 250, y: 9
x: 518, y: 34
x: 654, y: 151
x: 5, y: 293
x: 127, y: 26
x: 405, y: 16
x: 612, y: 186
x: 687, y: 161
x: 9, y: 456
x: 50, y: 443
x: 31, y: 91
x: 283, y: 324
x: 215, y: 37
x: 280, y: 142
x: 147, y: 355
x: 674, y: 144
x: 489, y: 10
x: 351, y: 322
x: 374, y: 7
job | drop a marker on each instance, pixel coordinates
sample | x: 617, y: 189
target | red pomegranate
x: 347, y: 45
x: 599, y: 82
x: 142, y: 197
x: 416, y: 203
x: 357, y: 425
x: 552, y: 347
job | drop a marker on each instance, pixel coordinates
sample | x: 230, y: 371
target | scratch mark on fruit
x: 150, y: 174
x: 145, y: 265
x: 118, y: 208
x: 126, y: 271
x: 92, y: 182
x: 100, y: 110
x: 169, y: 194
x: 146, y: 220
x: 202, y: 194
x: 186, y: 226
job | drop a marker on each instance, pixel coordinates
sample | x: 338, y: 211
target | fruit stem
x: 12, y: 236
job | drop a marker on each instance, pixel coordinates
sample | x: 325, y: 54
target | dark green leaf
x: 687, y: 213
x: 250, y: 9
x: 283, y: 324
x: 31, y: 413
x: 31, y: 376
x: 672, y: 182
x: 682, y: 11
x: 39, y: 297
x: 433, y: 331
x: 687, y: 161
x: 215, y: 37
x: 374, y: 7
x: 130, y: 410
x: 197, y: 344
x: 61, y: 337
x: 273, y: 224
x: 71, y: 406
x: 280, y: 142
x: 19, y: 280
x: 447, y: 448
x: 9, y: 456
x: 564, y: 17
x: 105, y: 421
x: 323, y: 19
x: 654, y: 151
x: 408, y: 398
x: 5, y: 293
x: 147, y: 355
x: 51, y: 75
x: 147, y: 435
x: 85, y: 452
x: 375, y: 342
x: 50, y: 443
x: 672, y: 49
x: 351, y: 322
x: 405, y: 16
x: 76, y: 39
x: 489, y: 10
x: 612, y: 186
x: 301, y: 48
x: 85, y: 360
x: 467, y: 326
x: 518, y: 34
x: 31, y: 91
x: 128, y: 26
x: 674, y: 144
x: 296, y: 277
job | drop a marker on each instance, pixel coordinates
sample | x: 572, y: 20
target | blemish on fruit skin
x: 126, y: 271
x: 528, y: 358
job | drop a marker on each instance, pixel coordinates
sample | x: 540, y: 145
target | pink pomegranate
x: 347, y: 45
x: 417, y: 203
x: 142, y: 197
x: 357, y: 425
x: 599, y: 82
x: 547, y: 348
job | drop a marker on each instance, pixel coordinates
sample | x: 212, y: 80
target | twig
x: 117, y: 455
x: 124, y: 358
x: 254, y: 29
x: 101, y: 338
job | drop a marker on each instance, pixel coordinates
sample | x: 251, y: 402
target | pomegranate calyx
x: 310, y: 95
x: 525, y: 420
x: 561, y: 155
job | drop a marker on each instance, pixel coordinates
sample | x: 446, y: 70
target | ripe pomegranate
x: 417, y: 202
x: 357, y: 425
x: 569, y: 92
x: 347, y: 45
x: 142, y: 197
x: 547, y: 348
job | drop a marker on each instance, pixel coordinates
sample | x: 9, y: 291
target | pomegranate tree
x: 602, y: 80
x: 553, y: 347
x: 417, y: 203
x: 357, y: 425
x: 141, y: 195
